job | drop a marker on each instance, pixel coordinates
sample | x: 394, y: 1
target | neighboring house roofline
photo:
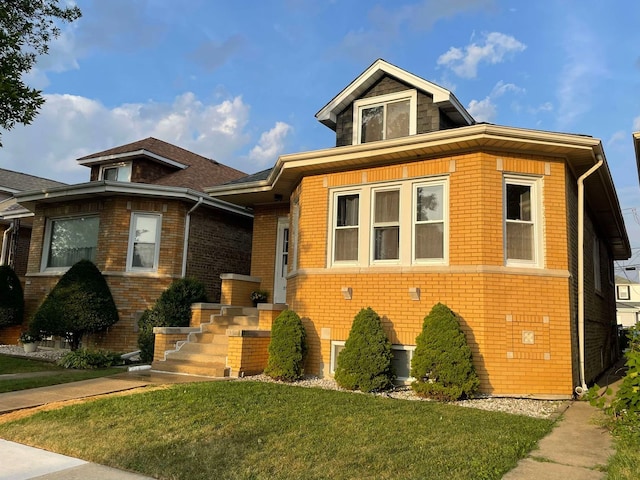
x: 106, y: 187
x: 579, y: 151
x: 442, y: 97
x: 13, y: 182
x: 636, y: 144
x: 123, y: 156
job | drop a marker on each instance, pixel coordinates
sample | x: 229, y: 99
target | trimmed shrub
x: 365, y: 362
x: 11, y: 298
x: 80, y: 303
x: 441, y: 362
x: 288, y: 348
x: 89, y: 359
x: 172, y: 309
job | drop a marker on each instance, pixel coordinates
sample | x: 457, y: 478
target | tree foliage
x: 287, y: 348
x: 11, y: 297
x: 441, y: 362
x: 172, y: 309
x: 365, y: 363
x: 26, y: 29
x: 80, y: 303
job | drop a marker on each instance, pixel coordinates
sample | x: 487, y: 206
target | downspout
x: 582, y: 388
x: 5, y: 246
x: 187, y: 224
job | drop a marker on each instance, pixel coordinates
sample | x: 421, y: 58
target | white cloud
x: 270, y: 145
x: 495, y: 48
x: 482, y: 110
x: 69, y: 127
x: 619, y: 138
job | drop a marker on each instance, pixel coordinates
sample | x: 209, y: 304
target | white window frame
x: 374, y: 225
x: 123, y: 167
x: 333, y: 226
x: 333, y: 362
x: 535, y: 184
x: 366, y: 241
x: 132, y: 235
x: 363, y: 103
x: 46, y: 246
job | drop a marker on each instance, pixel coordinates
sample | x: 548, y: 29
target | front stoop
x: 205, y: 351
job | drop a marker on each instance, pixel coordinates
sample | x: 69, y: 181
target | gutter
x: 5, y: 246
x: 582, y: 388
x: 187, y: 224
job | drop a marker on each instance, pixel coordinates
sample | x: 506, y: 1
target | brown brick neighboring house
x: 417, y: 205
x: 145, y: 221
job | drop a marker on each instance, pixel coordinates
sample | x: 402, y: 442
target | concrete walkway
x: 577, y: 448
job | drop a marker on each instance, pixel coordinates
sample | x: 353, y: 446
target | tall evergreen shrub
x: 80, y: 303
x: 11, y: 298
x: 172, y: 309
x: 441, y: 363
x: 287, y: 348
x: 365, y: 362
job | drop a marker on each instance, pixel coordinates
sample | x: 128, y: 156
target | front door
x: 282, y: 261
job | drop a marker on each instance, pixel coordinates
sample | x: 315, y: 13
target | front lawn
x: 52, y: 374
x: 261, y: 430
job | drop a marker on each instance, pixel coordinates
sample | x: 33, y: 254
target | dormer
x: 386, y: 102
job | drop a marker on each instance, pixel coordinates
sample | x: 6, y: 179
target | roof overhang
x: 118, y: 157
x: 107, y: 188
x: 578, y: 151
x: 442, y: 97
x: 636, y: 145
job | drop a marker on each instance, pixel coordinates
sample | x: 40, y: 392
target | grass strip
x: 64, y: 376
x: 10, y: 364
x: 242, y: 430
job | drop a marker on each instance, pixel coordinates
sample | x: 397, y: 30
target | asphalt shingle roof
x: 24, y: 182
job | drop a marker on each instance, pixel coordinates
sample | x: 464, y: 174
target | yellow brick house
x: 516, y: 230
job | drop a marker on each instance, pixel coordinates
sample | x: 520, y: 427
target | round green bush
x: 172, y: 309
x: 441, y: 363
x: 11, y: 298
x: 365, y: 362
x: 287, y: 348
x: 80, y: 303
x: 90, y: 359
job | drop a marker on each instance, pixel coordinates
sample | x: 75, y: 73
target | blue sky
x: 241, y: 81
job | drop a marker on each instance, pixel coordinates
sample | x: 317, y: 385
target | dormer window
x: 117, y: 172
x: 384, y: 117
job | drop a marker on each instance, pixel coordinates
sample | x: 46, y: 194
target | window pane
x: 110, y: 174
x: 429, y: 203
x: 372, y: 124
x: 143, y: 255
x: 429, y: 240
x: 73, y: 240
x: 397, y: 119
x: 387, y: 206
x: 144, y: 241
x: 519, y: 202
x: 146, y: 229
x: 346, y: 244
x: 387, y: 243
x: 519, y: 241
x: 401, y: 362
x: 347, y: 210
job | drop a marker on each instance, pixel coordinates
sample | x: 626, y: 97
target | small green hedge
x: 89, y: 359
x: 365, y: 362
x: 441, y: 362
x: 287, y: 348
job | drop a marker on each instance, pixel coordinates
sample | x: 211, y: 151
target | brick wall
x: 519, y: 322
x: 248, y: 355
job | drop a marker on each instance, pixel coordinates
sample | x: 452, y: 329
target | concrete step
x: 203, y: 357
x: 204, y: 337
x: 201, y: 349
x: 208, y: 369
x: 225, y: 320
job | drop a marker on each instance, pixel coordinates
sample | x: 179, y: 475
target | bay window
x: 521, y: 217
x: 386, y: 225
x: 346, y: 228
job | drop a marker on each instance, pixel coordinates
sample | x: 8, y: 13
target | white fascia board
x: 125, y: 188
x: 440, y: 95
x: 137, y: 153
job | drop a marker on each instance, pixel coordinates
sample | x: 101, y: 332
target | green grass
x: 24, y: 365
x: 252, y: 430
x: 52, y: 374
x: 625, y: 464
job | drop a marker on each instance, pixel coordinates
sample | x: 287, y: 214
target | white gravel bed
x: 517, y: 406
x: 41, y: 354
